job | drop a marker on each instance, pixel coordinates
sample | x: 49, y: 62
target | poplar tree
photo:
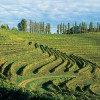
x: 91, y: 27
x: 97, y: 27
x: 48, y: 28
x: 83, y: 27
x: 58, y: 29
x: 86, y: 29
x: 68, y: 28
x: 61, y: 28
x: 34, y: 26
x: 73, y: 29
x: 80, y: 28
x: 31, y: 26
x: 42, y: 30
x: 65, y: 29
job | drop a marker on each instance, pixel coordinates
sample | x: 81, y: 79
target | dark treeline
x: 81, y: 28
x: 41, y: 27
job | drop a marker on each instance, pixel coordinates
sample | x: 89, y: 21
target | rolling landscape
x: 46, y: 69
x: 39, y: 61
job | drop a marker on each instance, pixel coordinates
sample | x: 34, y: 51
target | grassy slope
x: 23, y: 56
x: 84, y: 45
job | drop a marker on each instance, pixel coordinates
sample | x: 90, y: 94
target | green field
x: 63, y: 67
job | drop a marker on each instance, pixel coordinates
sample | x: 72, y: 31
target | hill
x: 50, y: 66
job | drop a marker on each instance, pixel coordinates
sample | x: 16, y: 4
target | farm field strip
x: 26, y: 60
x: 95, y: 88
x: 16, y: 51
x: 49, y: 66
x: 80, y: 60
x: 33, y: 66
x: 14, y: 47
x: 17, y: 56
x: 77, y: 81
x: 60, y: 68
x: 23, y: 83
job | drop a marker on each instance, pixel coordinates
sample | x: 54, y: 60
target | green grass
x: 65, y: 66
x: 85, y: 45
x: 88, y: 48
x: 95, y: 88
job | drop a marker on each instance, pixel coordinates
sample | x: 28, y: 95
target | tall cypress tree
x: 30, y: 26
x: 73, y: 29
x: 97, y: 27
x: 58, y: 29
x: 76, y: 27
x: 80, y: 28
x: 83, y: 27
x: 86, y: 29
x: 43, y: 27
x: 91, y: 27
x: 68, y: 28
x: 48, y: 26
x: 46, y: 29
x: 34, y: 26
x: 38, y: 27
x: 65, y: 29
x: 61, y: 28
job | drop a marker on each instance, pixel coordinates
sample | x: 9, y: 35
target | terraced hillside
x: 85, y: 45
x: 48, y: 70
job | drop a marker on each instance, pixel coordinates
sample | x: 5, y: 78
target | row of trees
x: 81, y: 28
x: 39, y: 27
x: 35, y: 27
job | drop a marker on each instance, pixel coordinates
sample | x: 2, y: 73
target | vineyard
x: 43, y: 64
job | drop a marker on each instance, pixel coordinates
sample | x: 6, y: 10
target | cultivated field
x: 68, y: 65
